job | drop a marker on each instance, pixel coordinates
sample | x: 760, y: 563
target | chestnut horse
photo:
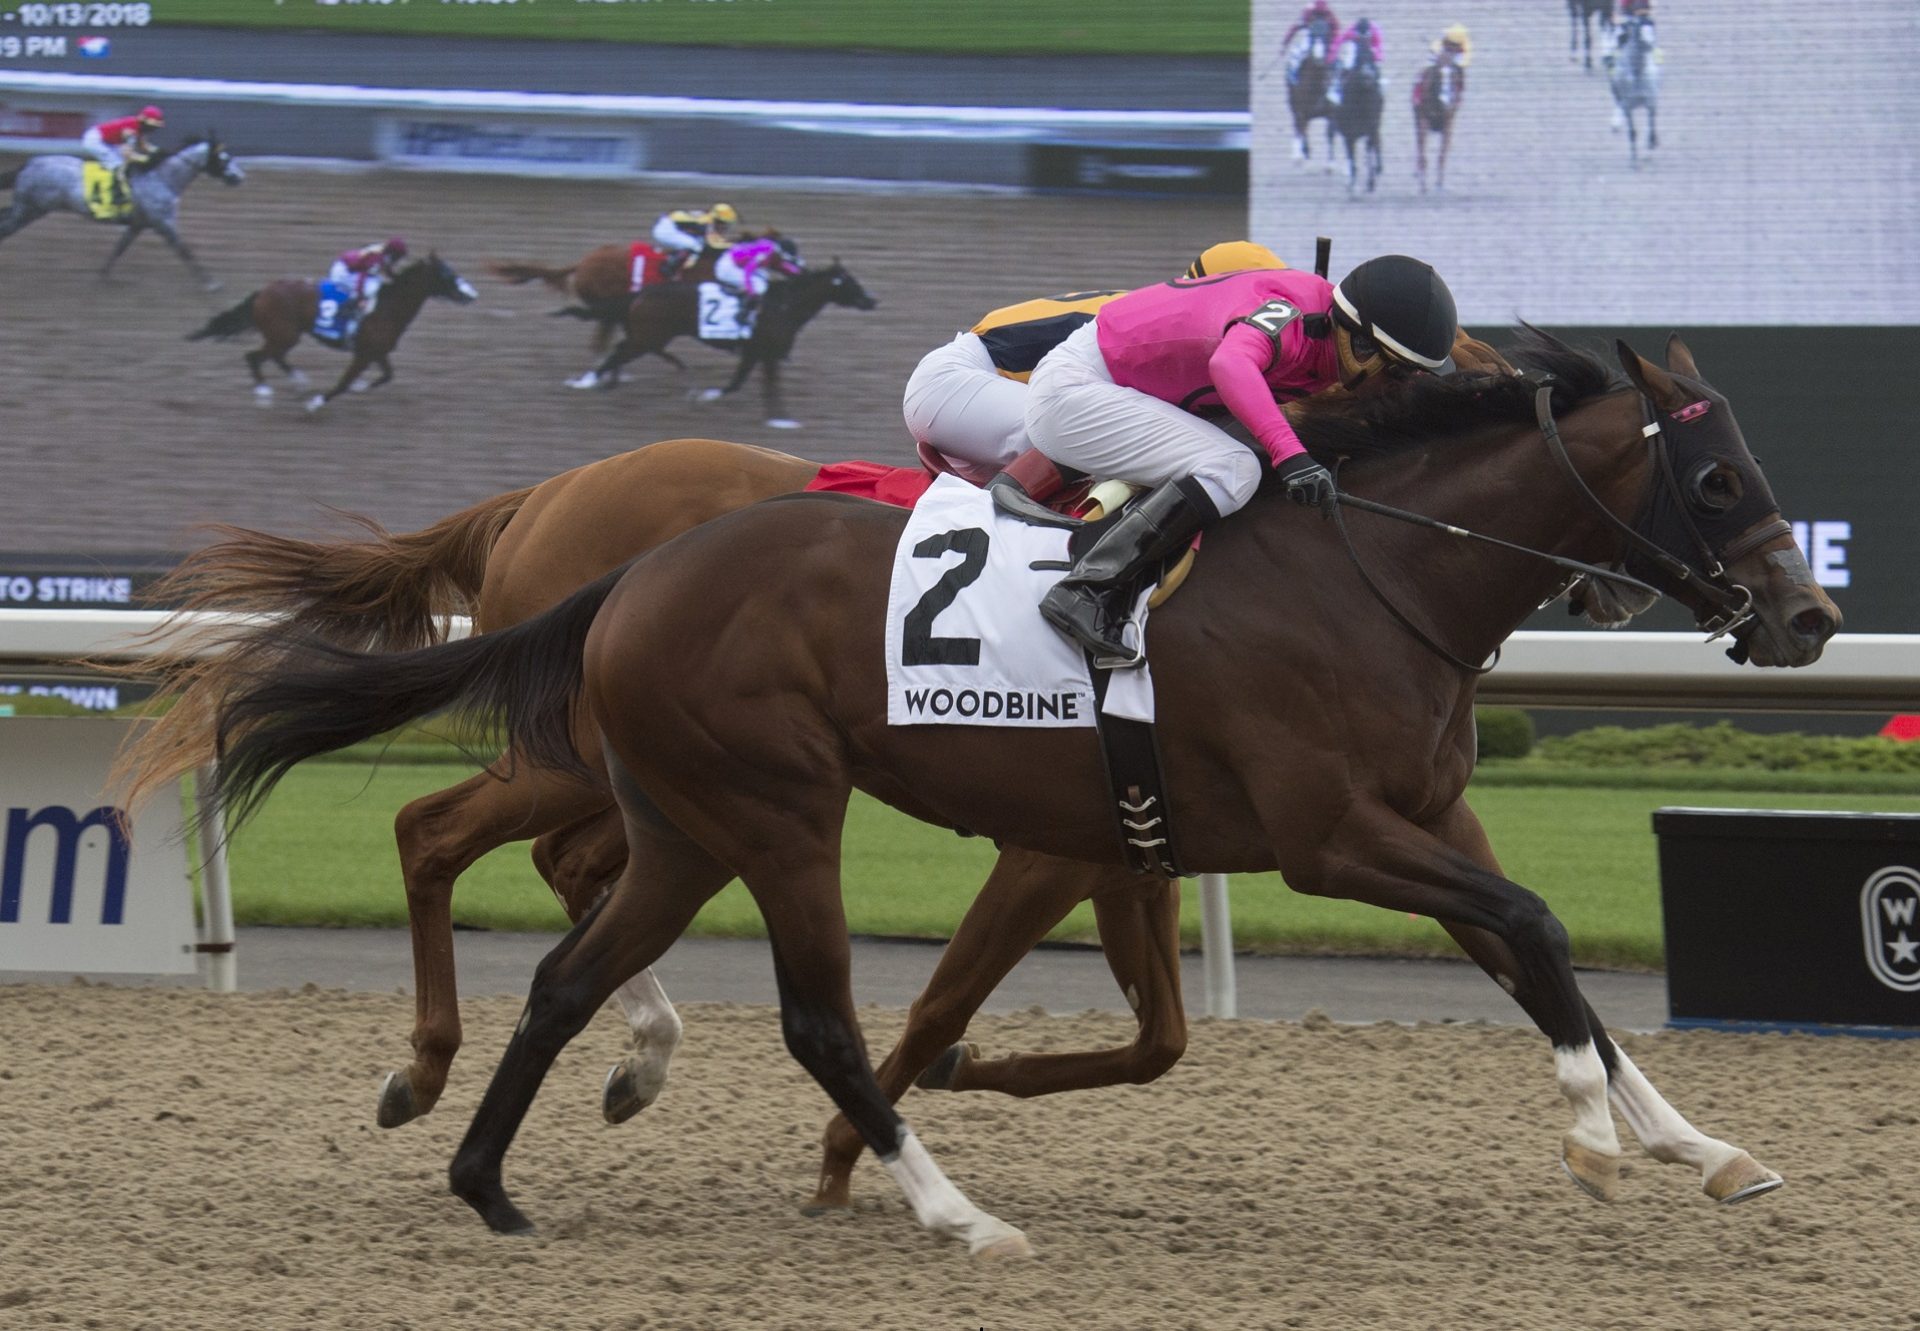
x: 1347, y: 778
x: 1436, y: 101
x: 601, y: 281
x: 284, y: 312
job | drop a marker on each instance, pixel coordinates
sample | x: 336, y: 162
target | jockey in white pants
x: 365, y: 270
x: 115, y: 143
x: 967, y: 399
x: 685, y: 232
x: 1118, y: 399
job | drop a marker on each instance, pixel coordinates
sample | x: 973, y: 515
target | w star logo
x: 1890, y: 923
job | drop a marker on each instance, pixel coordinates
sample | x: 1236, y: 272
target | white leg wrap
x: 656, y: 1026
x: 1667, y: 1136
x: 942, y: 1207
x: 1583, y: 1080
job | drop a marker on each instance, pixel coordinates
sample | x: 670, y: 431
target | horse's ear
x: 1679, y: 358
x: 1650, y: 379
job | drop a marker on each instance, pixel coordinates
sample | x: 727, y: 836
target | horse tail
x: 518, y: 273
x: 228, y: 323
x: 302, y: 695
x: 383, y: 593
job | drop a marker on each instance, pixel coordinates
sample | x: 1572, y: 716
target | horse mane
x: 1428, y: 409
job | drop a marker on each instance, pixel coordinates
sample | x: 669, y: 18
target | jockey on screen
x: 1318, y: 21
x: 1359, y: 47
x: 685, y: 232
x: 967, y: 399
x: 1117, y: 399
x: 363, y: 271
x: 746, y: 269
x: 1454, y: 46
x: 117, y: 144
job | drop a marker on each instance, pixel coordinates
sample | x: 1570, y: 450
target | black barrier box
x: 1791, y: 918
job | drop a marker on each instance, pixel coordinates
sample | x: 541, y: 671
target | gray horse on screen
x: 57, y: 184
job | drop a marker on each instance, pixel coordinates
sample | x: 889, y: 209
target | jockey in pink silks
x: 1358, y: 46
x: 1117, y: 399
x: 746, y: 269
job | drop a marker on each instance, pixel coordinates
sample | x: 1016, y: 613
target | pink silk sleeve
x: 1238, y: 368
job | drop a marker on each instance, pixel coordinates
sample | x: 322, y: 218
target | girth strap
x: 1141, y: 810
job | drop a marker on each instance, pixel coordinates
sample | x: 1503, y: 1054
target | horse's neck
x: 399, y: 301
x: 178, y: 171
x: 808, y: 297
x: 1505, y: 484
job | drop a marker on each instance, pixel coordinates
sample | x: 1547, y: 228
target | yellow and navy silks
x: 1017, y: 336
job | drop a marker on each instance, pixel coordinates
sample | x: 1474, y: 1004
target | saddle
x: 1105, y: 501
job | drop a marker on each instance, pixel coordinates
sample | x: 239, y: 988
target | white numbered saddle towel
x: 965, y: 641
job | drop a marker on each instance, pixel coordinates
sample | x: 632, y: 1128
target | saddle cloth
x: 720, y: 319
x: 101, y: 186
x: 646, y: 265
x: 965, y: 643
x: 333, y: 319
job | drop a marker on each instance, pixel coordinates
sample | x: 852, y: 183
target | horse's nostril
x: 1814, y: 623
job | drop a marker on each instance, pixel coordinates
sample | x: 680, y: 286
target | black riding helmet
x: 1402, y: 306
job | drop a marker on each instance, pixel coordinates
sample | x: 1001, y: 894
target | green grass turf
x: 321, y: 853
x: 1064, y: 27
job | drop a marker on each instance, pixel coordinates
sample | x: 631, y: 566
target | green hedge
x: 1725, y: 746
x: 1505, y: 732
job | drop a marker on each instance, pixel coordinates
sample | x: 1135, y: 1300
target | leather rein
x: 1733, y: 602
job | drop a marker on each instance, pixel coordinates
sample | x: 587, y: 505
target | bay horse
x: 50, y: 184
x: 1436, y: 101
x: 505, y: 560
x: 601, y: 281
x: 1309, y: 75
x: 283, y: 312
x: 661, y: 314
x: 733, y: 753
x: 1580, y: 16
x: 1357, y: 118
x: 1636, y: 84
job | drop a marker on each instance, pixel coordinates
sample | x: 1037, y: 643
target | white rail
x: 858, y: 117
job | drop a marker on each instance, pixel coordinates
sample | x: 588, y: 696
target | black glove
x: 1308, y: 482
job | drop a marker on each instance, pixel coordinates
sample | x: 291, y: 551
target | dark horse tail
x: 311, y: 697
x: 381, y: 593
x: 227, y: 323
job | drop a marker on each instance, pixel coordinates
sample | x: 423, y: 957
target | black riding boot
x: 1094, y: 602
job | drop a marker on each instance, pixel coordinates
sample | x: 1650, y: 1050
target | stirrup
x: 1013, y: 500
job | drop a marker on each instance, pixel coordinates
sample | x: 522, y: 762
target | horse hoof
x: 825, y: 1206
x: 213, y: 284
x: 708, y: 395
x: 628, y: 1089
x: 587, y: 380
x: 263, y: 394
x: 359, y: 387
x: 316, y: 402
x: 298, y: 379
x: 398, y: 1103
x: 782, y: 423
x: 1009, y: 1246
x: 939, y: 1077
x: 1598, y: 1175
x: 1740, y: 1179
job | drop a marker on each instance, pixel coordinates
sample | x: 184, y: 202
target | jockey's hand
x: 1309, y: 483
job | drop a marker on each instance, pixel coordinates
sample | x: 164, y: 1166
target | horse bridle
x: 1734, y: 602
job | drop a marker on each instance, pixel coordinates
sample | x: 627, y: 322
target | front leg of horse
x: 774, y: 398
x: 1653, y: 127
x: 167, y: 232
x: 1378, y: 857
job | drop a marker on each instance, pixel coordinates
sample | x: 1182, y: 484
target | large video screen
x: 1784, y: 188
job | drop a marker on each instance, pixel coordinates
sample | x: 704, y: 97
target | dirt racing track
x: 178, y: 1160
x: 115, y: 434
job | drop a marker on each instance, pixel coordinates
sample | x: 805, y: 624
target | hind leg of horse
x: 439, y: 837
x: 1024, y: 897
x: 579, y: 862
x: 665, y: 882
x: 775, y: 397
x: 607, y: 373
x: 1727, y: 1173
x: 1376, y: 856
x: 1440, y: 167
x: 386, y: 373
x: 1653, y: 127
x: 295, y: 377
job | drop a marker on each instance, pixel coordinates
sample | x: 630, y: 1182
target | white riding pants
x: 100, y: 150
x: 729, y: 275
x: 670, y: 237
x: 1078, y: 416
x: 957, y: 403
